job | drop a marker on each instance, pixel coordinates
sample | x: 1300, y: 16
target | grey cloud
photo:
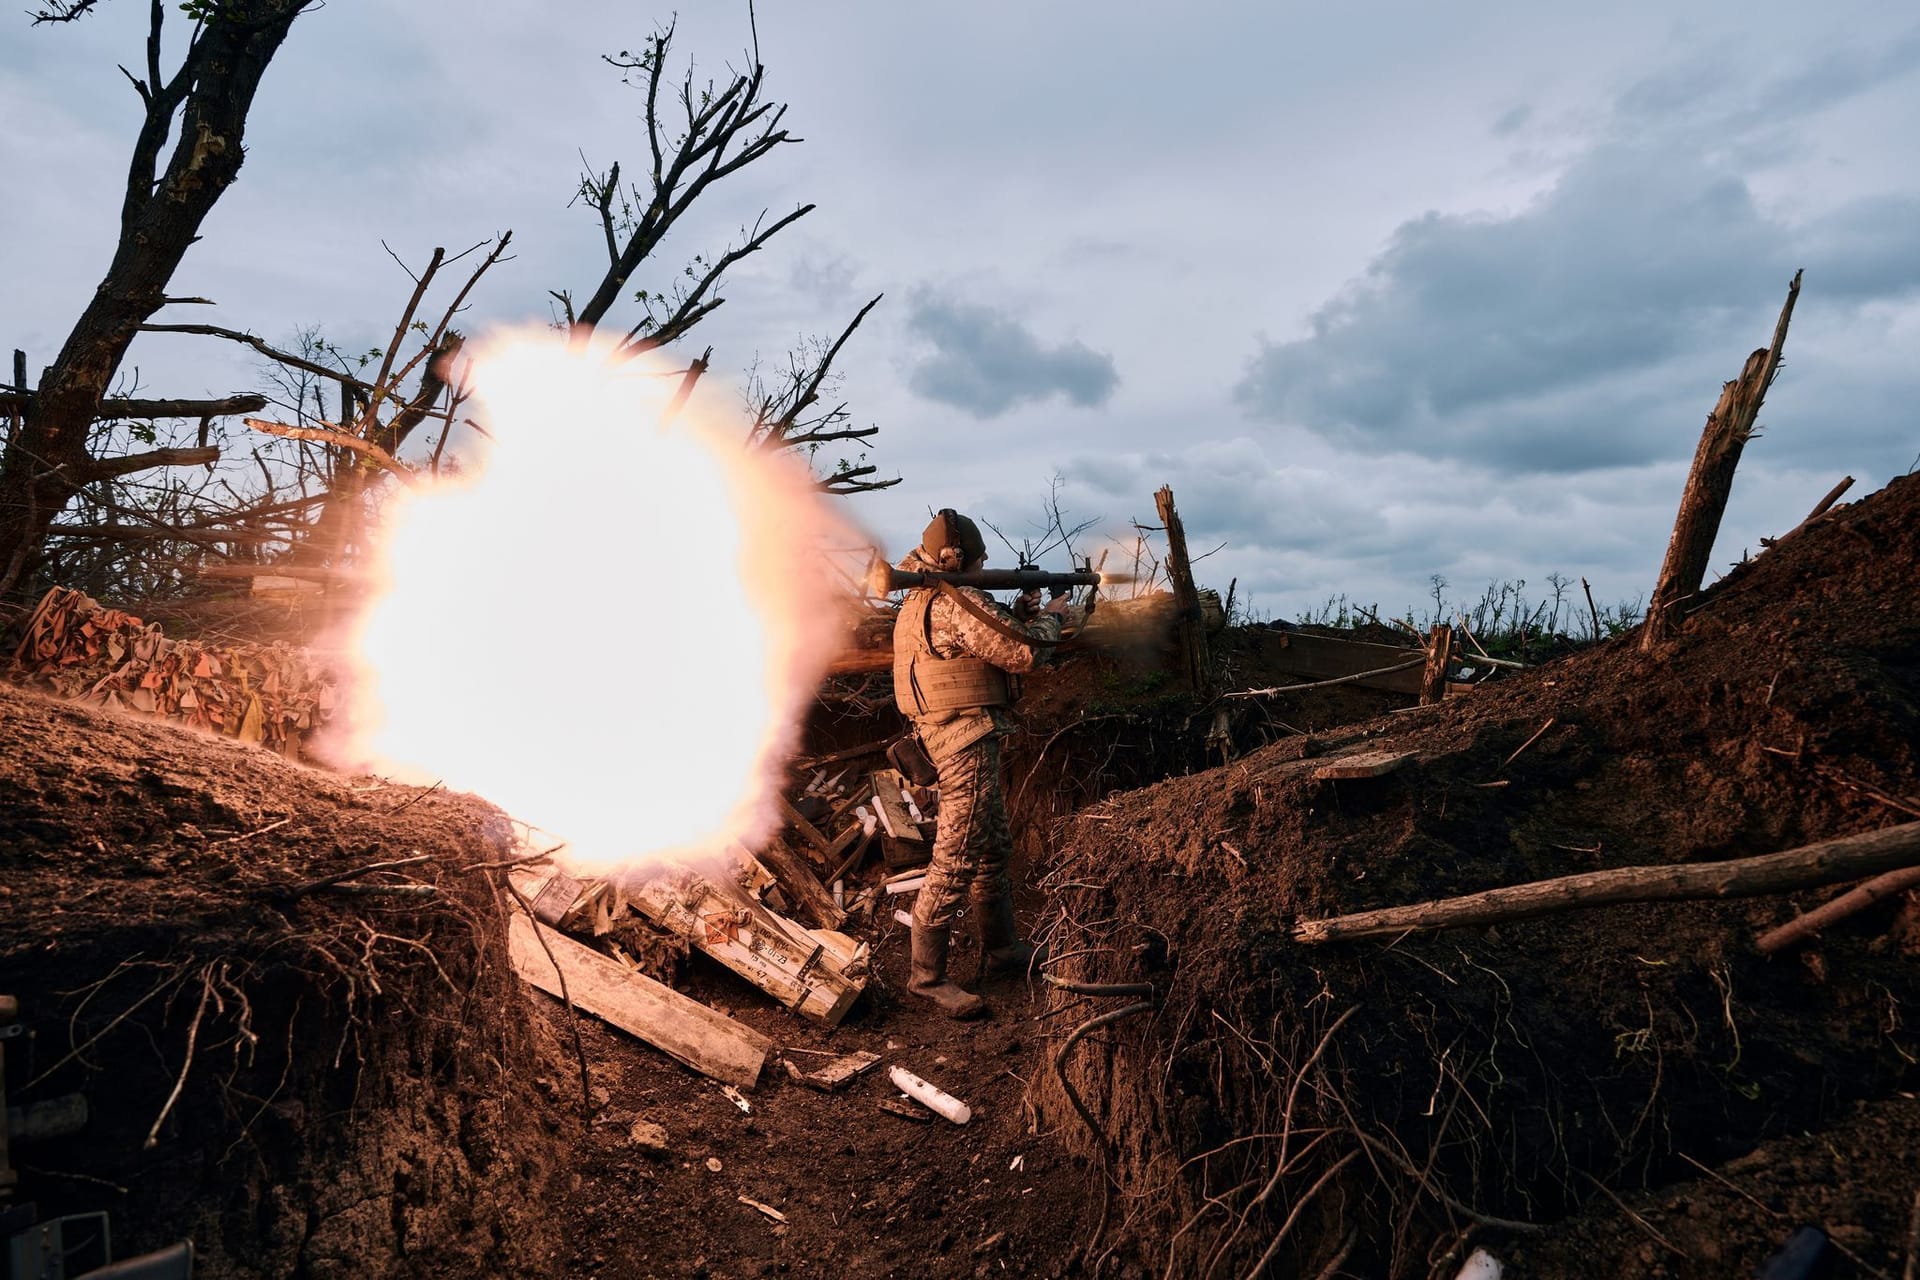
x: 1576, y: 333
x: 1512, y: 120
x: 822, y: 274
x: 984, y: 362
x: 1705, y: 96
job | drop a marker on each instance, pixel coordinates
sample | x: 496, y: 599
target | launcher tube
x: 887, y: 579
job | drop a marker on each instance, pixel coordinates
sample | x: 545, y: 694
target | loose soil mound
x: 335, y: 1084
x: 1393, y: 1102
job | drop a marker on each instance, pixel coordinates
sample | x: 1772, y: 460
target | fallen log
x: 686, y: 1030
x: 1827, y: 862
x: 1854, y: 900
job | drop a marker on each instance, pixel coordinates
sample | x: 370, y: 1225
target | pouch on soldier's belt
x: 909, y: 755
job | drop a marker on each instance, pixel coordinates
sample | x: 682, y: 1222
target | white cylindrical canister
x: 936, y: 1100
x: 1480, y: 1265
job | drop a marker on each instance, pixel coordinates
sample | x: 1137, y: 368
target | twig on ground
x: 1911, y: 807
x: 387, y: 890
x: 414, y: 800
x: 1321, y: 684
x: 1854, y: 900
x: 339, y: 877
x: 1638, y: 1221
x: 1529, y: 742
x: 248, y: 835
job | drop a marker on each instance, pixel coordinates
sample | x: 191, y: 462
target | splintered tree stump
x: 1828, y: 862
x: 1186, y: 597
x: 1710, y: 482
x: 1433, y: 681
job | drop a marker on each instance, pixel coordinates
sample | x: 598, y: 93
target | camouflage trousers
x: 972, y: 842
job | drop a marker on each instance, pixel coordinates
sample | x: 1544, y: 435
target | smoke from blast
x: 610, y: 628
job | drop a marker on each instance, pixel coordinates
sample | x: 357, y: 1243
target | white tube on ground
x: 936, y: 1100
x: 1480, y: 1265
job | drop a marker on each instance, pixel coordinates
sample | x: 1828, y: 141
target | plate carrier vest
x: 926, y: 685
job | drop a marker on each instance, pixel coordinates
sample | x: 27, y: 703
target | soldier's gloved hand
x: 1026, y: 605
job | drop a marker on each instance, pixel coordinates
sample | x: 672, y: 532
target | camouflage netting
x: 276, y: 695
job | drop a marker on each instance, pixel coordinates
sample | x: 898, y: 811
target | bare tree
x: 49, y: 456
x: 697, y: 134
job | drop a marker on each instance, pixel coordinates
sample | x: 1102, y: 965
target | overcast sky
x: 1382, y: 290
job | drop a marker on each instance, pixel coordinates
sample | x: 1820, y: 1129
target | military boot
x: 928, y: 976
x: 1002, y: 952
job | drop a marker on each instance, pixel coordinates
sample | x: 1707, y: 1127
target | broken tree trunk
x: 1191, y: 629
x: 1854, y: 900
x: 1710, y: 482
x: 685, y: 1030
x: 1827, y: 862
x: 1433, y: 680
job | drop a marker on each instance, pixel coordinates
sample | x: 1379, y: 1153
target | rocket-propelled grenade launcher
x: 884, y: 579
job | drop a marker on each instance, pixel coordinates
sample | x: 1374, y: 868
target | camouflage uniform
x: 972, y: 841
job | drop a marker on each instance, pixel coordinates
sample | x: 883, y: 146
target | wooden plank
x: 555, y: 898
x: 817, y: 974
x: 1364, y: 764
x: 1326, y: 658
x: 835, y: 1075
x: 891, y: 807
x: 685, y: 1030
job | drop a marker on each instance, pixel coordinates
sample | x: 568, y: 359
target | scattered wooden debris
x: 835, y: 1075
x: 903, y: 844
x: 271, y: 695
x: 895, y: 1107
x: 815, y: 973
x: 1363, y: 764
x: 802, y: 886
x: 683, y: 1029
x: 767, y: 1209
x: 799, y: 823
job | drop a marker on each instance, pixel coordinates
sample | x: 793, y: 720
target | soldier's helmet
x: 952, y: 540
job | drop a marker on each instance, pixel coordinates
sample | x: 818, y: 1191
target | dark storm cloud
x: 1574, y: 333
x: 985, y: 362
